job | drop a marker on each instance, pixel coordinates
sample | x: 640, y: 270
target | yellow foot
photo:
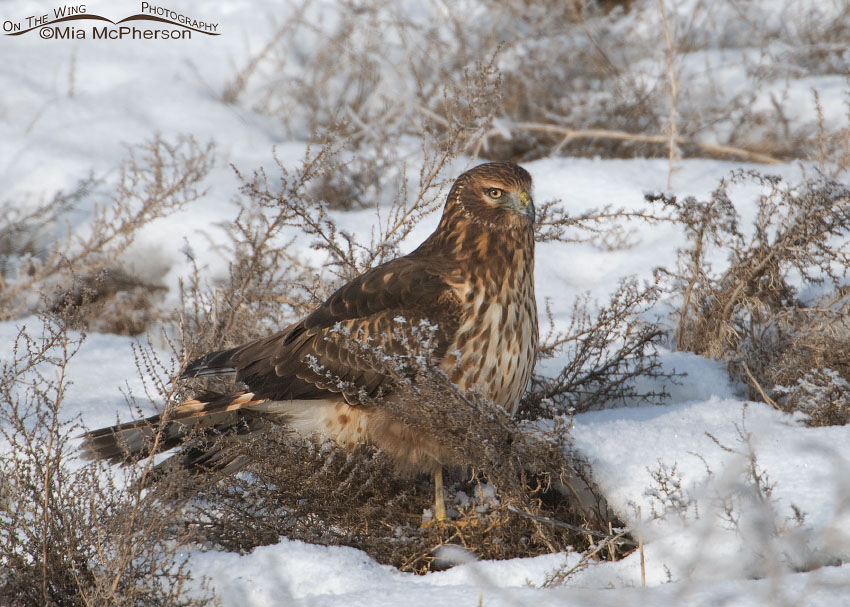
x: 439, y: 501
x: 430, y: 523
x: 439, y: 496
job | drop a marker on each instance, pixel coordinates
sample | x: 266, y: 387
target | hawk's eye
x: 494, y: 193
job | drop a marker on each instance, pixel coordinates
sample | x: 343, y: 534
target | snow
x: 692, y: 556
x: 69, y: 108
x: 804, y: 465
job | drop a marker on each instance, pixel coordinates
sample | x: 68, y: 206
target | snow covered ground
x: 694, y: 554
x: 68, y: 108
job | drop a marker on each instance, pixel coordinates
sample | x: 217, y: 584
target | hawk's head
x: 497, y: 194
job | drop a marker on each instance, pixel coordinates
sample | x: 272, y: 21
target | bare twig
x: 642, y: 557
x: 569, y: 134
x: 670, y: 56
x: 758, y: 387
x: 612, y: 537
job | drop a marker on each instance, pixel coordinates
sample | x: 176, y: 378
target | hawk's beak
x: 527, y: 204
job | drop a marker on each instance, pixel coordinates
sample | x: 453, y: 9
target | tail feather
x: 200, y: 423
x: 214, y: 363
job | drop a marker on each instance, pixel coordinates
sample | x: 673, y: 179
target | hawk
x: 471, y: 281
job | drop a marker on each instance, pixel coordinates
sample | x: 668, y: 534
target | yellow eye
x: 494, y: 193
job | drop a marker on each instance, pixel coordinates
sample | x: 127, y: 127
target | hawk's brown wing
x: 317, y: 356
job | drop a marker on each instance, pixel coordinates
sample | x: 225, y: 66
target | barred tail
x: 198, y: 425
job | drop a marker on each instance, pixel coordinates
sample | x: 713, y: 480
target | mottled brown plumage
x: 472, y: 280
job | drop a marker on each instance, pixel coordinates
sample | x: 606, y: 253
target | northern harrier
x: 472, y: 279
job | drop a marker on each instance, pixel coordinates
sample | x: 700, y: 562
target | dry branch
x: 569, y: 134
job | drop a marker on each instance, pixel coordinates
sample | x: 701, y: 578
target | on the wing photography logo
x: 72, y: 22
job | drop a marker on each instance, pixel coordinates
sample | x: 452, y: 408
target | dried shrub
x: 741, y: 495
x: 607, y: 350
x: 378, y: 71
x: 803, y: 361
x: 324, y: 494
x: 572, y: 78
x: 751, y: 313
x: 668, y: 496
x: 24, y: 234
x: 832, y: 146
x: 113, y: 301
x: 70, y: 534
x: 321, y: 493
x: 82, y: 269
x: 607, y: 227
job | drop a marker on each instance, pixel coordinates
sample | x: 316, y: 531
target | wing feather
x: 315, y: 357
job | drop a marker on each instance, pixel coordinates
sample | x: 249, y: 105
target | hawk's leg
x: 439, y: 496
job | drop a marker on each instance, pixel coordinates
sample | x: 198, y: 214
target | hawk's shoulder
x: 413, y: 283
x: 316, y: 355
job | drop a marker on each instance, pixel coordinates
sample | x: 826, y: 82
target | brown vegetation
x: 530, y: 80
x: 790, y: 350
x: 78, y: 271
x: 579, y: 78
x: 69, y: 534
x: 326, y: 495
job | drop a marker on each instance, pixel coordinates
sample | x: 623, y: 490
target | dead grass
x: 605, y: 350
x: 790, y: 348
x: 42, y: 256
x: 72, y: 535
x: 530, y: 80
x: 323, y: 494
x: 534, y: 497
x: 617, y: 79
